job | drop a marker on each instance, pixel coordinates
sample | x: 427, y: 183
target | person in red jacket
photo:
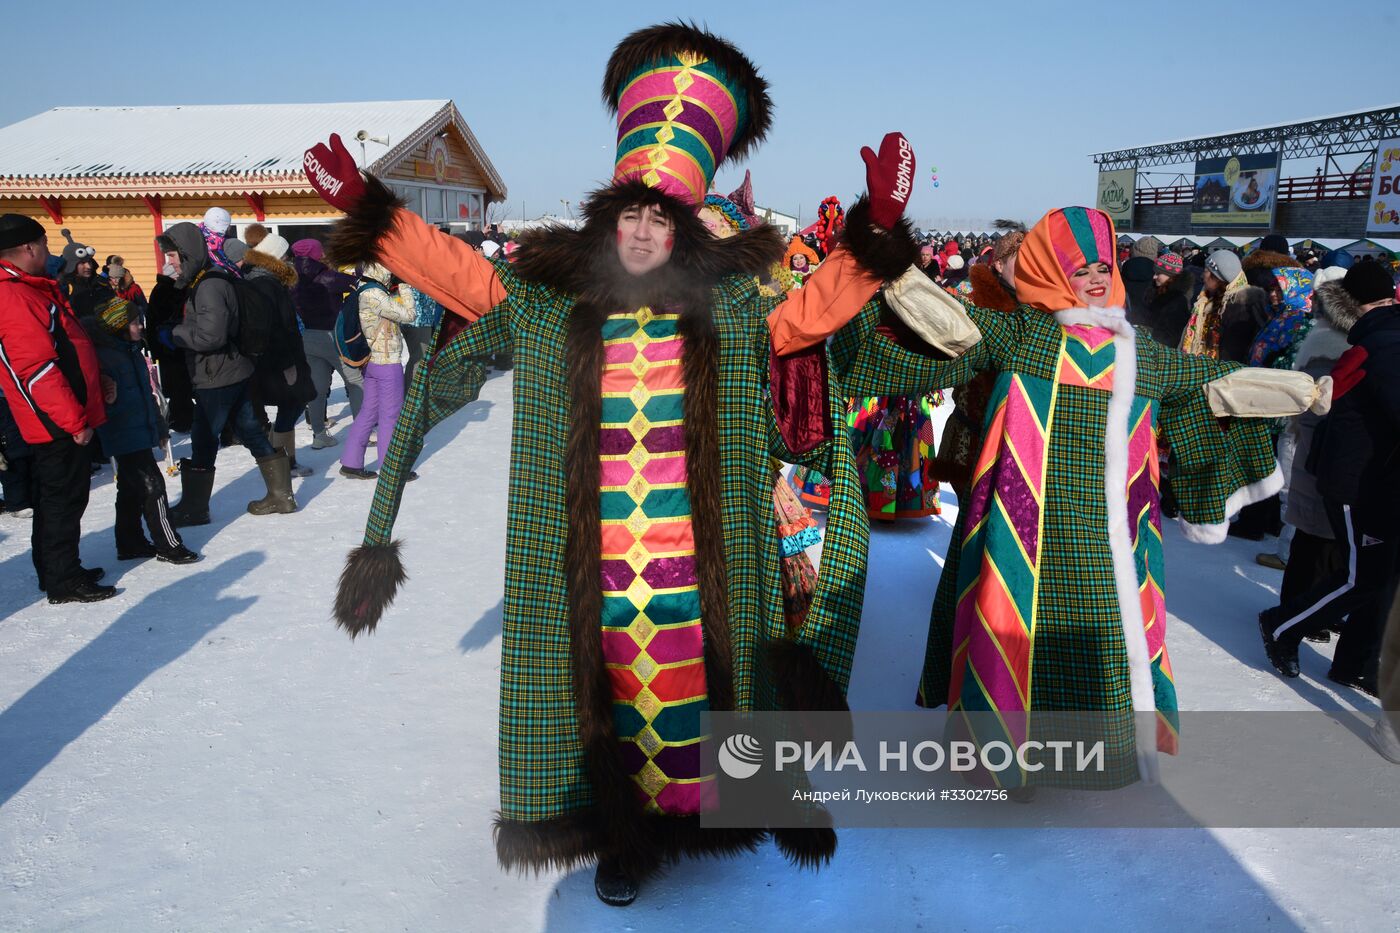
x: 50, y: 377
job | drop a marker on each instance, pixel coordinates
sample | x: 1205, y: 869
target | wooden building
x: 115, y: 177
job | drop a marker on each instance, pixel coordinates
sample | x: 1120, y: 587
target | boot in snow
x: 287, y: 441
x: 276, y: 472
x: 195, y: 487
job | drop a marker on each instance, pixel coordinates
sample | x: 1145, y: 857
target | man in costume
x: 1060, y: 583
x: 646, y: 588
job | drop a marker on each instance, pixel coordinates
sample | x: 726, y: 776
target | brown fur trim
x: 886, y: 253
x: 1268, y: 259
x: 567, y: 842
x: 355, y: 239
x: 700, y: 365
x: 806, y: 847
x: 285, y: 272
x: 371, y: 578
x: 584, y: 261
x: 988, y: 291
x: 802, y: 682
x: 663, y: 41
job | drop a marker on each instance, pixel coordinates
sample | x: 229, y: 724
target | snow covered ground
x: 207, y: 752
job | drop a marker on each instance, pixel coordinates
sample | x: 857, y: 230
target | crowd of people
x: 236, y: 342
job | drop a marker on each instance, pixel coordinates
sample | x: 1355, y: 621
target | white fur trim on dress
x: 1120, y: 409
x: 1216, y: 532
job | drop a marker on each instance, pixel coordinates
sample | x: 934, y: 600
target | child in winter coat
x: 381, y: 315
x: 133, y: 427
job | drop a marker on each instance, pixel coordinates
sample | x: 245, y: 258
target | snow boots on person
x: 1283, y: 655
x: 276, y: 472
x: 323, y: 439
x: 613, y: 885
x: 195, y: 487
x: 287, y: 441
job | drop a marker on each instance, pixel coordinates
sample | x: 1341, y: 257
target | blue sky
x: 1007, y: 100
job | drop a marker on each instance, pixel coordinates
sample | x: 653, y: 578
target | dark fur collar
x: 1335, y: 303
x: 987, y: 290
x: 1268, y: 259
x: 584, y: 262
x: 283, y: 271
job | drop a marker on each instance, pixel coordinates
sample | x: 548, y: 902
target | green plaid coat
x: 542, y: 769
x: 1078, y: 615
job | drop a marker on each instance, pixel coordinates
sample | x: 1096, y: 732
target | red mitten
x: 333, y: 173
x: 889, y: 179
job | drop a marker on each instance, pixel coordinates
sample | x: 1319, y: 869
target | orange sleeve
x: 441, y: 266
x: 831, y: 296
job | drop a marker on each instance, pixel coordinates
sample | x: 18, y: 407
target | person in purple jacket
x: 317, y: 296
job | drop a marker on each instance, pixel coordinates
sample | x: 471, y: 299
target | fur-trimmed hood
x: 282, y: 271
x: 988, y: 290
x: 1268, y: 259
x: 1335, y: 304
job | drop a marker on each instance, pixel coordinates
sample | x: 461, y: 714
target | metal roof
x: 112, y: 142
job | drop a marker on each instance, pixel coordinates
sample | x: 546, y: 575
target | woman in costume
x: 646, y: 588
x: 1061, y: 581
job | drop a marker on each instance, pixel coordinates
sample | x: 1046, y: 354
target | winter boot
x: 177, y: 555
x: 287, y: 441
x: 195, y: 487
x: 323, y: 439
x: 1283, y: 655
x: 276, y: 472
x: 613, y: 885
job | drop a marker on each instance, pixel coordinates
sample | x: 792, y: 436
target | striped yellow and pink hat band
x: 677, y: 119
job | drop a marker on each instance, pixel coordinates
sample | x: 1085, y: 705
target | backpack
x: 350, y: 341
x: 254, y: 326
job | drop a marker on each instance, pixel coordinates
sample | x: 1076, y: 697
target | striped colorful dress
x: 652, y: 641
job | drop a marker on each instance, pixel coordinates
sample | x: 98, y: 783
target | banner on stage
x: 1384, y: 215
x: 1236, y: 191
x: 1115, y: 196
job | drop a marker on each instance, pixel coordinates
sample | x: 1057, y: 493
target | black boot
x: 613, y: 885
x: 1283, y: 655
x: 85, y: 591
x: 195, y: 488
x: 177, y: 555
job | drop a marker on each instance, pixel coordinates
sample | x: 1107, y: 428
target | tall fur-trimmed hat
x: 686, y: 100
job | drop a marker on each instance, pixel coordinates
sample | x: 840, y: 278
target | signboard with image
x: 1115, y: 196
x: 1384, y: 214
x: 1236, y: 191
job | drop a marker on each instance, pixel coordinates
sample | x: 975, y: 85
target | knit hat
x: 273, y: 245
x: 686, y: 100
x: 1168, y: 264
x: 115, y: 314
x: 218, y: 220
x: 1061, y: 243
x: 116, y: 272
x: 309, y: 248
x: 1328, y: 274
x: 955, y: 262
x: 1148, y: 247
x: 1274, y: 243
x: 1224, y: 265
x: 1368, y: 282
x: 17, y: 230
x: 489, y: 248
x: 235, y: 249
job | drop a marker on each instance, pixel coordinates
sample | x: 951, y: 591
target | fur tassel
x: 368, y: 584
x: 355, y: 239
x: 802, y: 682
x: 655, y: 42
x: 806, y: 847
x: 886, y: 253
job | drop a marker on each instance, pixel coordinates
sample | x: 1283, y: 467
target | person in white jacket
x: 381, y: 315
